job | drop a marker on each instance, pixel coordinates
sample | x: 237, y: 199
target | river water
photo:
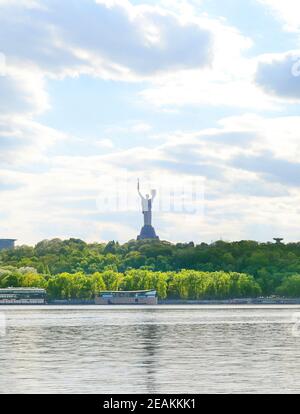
x: 161, y: 349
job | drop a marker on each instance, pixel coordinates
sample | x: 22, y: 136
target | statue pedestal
x: 147, y: 232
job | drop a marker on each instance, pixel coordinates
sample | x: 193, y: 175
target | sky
x: 199, y: 99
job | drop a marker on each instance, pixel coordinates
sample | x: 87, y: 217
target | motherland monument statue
x: 147, y: 231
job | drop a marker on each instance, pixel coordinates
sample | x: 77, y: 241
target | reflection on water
x: 176, y: 349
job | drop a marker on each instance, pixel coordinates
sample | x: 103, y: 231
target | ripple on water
x: 164, y: 349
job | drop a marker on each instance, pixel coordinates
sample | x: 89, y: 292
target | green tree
x: 290, y: 287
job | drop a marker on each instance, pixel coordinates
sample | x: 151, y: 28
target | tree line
x: 274, y: 268
x: 186, y: 284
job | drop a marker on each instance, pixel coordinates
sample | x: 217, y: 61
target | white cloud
x: 103, y: 37
x: 279, y: 75
x: 287, y: 11
x: 53, y: 39
x: 105, y: 143
x: 140, y: 127
x: 23, y: 141
x: 62, y: 199
x: 197, y: 89
x: 279, y: 135
x: 21, y: 3
x: 22, y: 91
x: 132, y: 43
x: 131, y: 126
x: 186, y: 58
x: 228, y: 81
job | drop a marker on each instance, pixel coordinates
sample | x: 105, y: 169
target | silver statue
x: 147, y: 205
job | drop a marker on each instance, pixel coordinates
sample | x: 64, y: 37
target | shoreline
x: 244, y: 301
x: 170, y: 302
x: 277, y: 301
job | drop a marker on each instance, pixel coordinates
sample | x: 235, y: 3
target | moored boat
x: 133, y: 297
x: 22, y: 296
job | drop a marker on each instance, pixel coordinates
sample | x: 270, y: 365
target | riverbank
x: 260, y: 301
x: 170, y: 302
x: 244, y: 301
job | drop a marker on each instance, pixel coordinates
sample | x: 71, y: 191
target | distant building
x: 7, y: 244
x: 278, y: 240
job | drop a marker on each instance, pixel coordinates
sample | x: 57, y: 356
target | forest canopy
x: 73, y: 268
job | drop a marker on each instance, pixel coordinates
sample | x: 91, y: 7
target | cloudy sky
x: 197, y: 98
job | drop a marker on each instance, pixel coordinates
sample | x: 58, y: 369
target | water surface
x: 161, y: 349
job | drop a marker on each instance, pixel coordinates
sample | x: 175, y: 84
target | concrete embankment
x: 260, y: 301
